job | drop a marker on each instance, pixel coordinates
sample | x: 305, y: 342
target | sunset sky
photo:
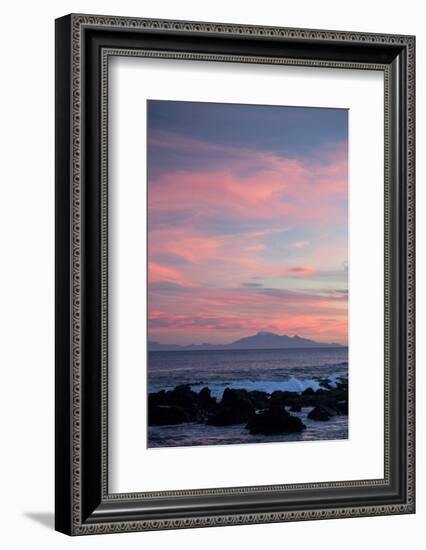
x: 247, y: 222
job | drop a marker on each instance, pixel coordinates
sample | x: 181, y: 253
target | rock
x: 275, y: 420
x: 326, y: 383
x: 235, y: 407
x: 343, y: 407
x: 318, y: 413
x: 159, y: 398
x: 183, y: 396
x: 205, y: 400
x: 239, y: 406
x: 226, y: 416
x: 330, y: 407
x: 284, y: 397
x: 311, y: 398
x: 340, y: 391
x: 259, y: 399
x: 195, y: 406
x: 331, y: 411
x: 239, y: 400
x: 338, y: 394
x: 160, y: 415
x: 206, y: 405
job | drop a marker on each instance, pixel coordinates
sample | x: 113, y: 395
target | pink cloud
x: 260, y: 194
x: 279, y: 189
x: 215, y: 311
x: 184, y: 243
x: 301, y: 271
x: 165, y: 274
x: 197, y: 328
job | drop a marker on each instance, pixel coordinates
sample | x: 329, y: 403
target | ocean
x: 265, y: 370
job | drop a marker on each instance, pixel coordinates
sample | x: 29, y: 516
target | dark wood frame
x: 83, y: 45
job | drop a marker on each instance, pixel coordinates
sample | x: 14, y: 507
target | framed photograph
x: 234, y: 274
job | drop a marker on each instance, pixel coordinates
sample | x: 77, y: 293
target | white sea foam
x: 292, y: 384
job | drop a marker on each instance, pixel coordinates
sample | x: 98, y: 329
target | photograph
x: 247, y: 209
x: 234, y: 274
x: 209, y: 286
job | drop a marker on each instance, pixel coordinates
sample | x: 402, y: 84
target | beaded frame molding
x: 84, y: 44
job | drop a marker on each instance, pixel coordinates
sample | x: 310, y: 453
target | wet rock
x: 326, y: 383
x: 226, y: 416
x: 259, y: 399
x: 183, y: 396
x: 342, y: 407
x: 312, y: 398
x: 235, y: 407
x: 159, y: 398
x: 205, y: 400
x: 284, y: 397
x: 331, y: 411
x: 330, y: 407
x: 275, y: 420
x: 239, y: 406
x: 239, y: 400
x: 329, y: 398
x: 160, y: 415
x: 318, y: 413
x: 196, y: 406
x: 206, y: 405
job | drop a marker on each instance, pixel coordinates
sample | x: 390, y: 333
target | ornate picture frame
x: 84, y: 45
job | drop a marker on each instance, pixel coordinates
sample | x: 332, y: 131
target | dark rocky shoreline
x: 261, y: 412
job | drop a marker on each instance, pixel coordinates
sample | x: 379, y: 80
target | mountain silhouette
x: 261, y: 340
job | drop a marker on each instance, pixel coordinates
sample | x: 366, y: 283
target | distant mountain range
x: 261, y: 340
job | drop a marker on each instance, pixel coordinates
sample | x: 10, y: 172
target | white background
x: 131, y: 82
x: 26, y: 306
